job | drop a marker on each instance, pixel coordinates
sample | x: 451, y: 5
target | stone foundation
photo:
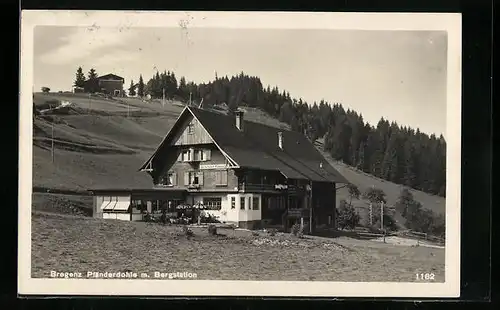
x: 250, y: 225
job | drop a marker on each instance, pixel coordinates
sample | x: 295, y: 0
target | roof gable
x: 175, y: 132
x: 111, y: 76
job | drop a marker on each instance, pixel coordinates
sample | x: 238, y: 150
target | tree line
x: 392, y: 152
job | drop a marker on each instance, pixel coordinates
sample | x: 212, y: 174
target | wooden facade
x: 195, y: 163
x: 111, y: 84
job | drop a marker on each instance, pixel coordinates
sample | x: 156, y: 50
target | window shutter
x: 217, y: 177
x: 186, y: 178
x: 200, y: 177
x: 174, y: 178
x: 224, y: 177
x: 208, y: 154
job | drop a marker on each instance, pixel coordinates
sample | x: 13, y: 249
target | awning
x: 109, y: 206
x: 122, y: 206
x: 105, y: 204
x: 117, y: 206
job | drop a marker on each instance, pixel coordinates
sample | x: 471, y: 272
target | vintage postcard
x: 240, y: 154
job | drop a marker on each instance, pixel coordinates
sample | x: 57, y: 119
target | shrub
x: 375, y: 195
x: 389, y: 225
x: 208, y: 218
x: 405, y: 200
x: 187, y: 232
x: 438, y: 227
x: 297, y: 230
x: 353, y: 192
x: 148, y: 217
x: 347, y: 216
x: 212, y: 230
x: 272, y: 232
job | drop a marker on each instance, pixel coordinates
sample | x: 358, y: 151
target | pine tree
x: 182, y: 90
x: 361, y: 157
x: 172, y: 90
x: 156, y: 89
x: 391, y: 165
x: 409, y: 175
x: 92, y: 82
x: 131, y: 89
x: 140, y: 87
x: 80, y: 78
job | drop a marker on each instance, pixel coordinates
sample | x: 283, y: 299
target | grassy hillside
x: 108, y: 245
x: 364, y: 181
x: 105, y: 145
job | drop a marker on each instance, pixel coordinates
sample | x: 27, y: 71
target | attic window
x: 191, y: 128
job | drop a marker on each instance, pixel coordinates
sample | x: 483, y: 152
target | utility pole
x: 382, y: 215
x: 163, y: 99
x: 52, y: 138
x: 310, y: 208
x: 190, y: 98
x: 52, y: 146
x: 382, y: 218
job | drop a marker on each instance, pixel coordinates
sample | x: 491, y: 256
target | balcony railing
x: 193, y: 186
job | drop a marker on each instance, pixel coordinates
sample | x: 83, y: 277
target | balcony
x: 269, y: 188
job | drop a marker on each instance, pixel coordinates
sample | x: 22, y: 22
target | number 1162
x: 425, y: 276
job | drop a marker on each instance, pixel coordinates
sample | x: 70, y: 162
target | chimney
x: 239, y: 119
x: 280, y: 139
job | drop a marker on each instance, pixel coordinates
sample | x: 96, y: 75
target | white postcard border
x: 270, y: 20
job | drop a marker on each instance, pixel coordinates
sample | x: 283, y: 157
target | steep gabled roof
x: 257, y: 147
x: 111, y: 76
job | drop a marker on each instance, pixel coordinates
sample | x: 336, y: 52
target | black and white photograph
x: 239, y: 154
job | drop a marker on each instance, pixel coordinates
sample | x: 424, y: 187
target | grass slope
x: 108, y: 245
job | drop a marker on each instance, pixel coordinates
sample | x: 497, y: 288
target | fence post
x: 371, y: 214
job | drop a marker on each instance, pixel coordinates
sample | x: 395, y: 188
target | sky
x: 398, y: 75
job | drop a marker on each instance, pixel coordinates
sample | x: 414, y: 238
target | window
x: 193, y: 178
x: 185, y: 156
x: 242, y: 203
x: 249, y: 203
x: 221, y: 178
x: 212, y: 203
x: 233, y: 202
x: 170, y: 179
x: 206, y: 155
x: 138, y: 204
x: 190, y: 128
x: 256, y: 203
x: 197, y: 154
